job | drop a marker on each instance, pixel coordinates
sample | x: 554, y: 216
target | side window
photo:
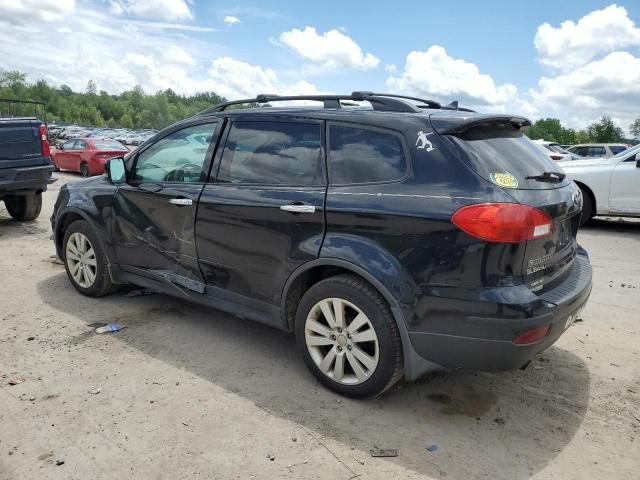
x: 596, y: 152
x: 272, y: 153
x: 616, y: 149
x: 68, y: 145
x: 80, y: 145
x: 178, y: 157
x: 358, y: 155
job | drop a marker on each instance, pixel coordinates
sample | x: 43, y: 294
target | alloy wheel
x: 342, y: 341
x: 81, y: 260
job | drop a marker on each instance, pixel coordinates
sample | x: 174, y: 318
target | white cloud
x: 236, y: 79
x: 433, y: 73
x: 168, y: 10
x: 608, y: 86
x: 25, y: 11
x: 175, y: 54
x: 573, y: 44
x: 332, y: 49
x: 390, y: 67
x: 231, y: 20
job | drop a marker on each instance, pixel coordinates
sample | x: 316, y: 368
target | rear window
x: 109, y: 145
x: 517, y: 156
x: 358, y: 155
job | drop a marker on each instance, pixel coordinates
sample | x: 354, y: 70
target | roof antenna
x: 452, y: 106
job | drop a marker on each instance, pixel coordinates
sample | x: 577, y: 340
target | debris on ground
x: 112, y: 327
x: 383, y: 452
x: 32, y: 398
x: 432, y: 448
x: 17, y: 380
x: 30, y: 339
x: 55, y: 260
x: 96, y: 325
x: 94, y: 390
x: 59, y: 462
x: 271, y: 457
x: 499, y: 421
x: 139, y: 292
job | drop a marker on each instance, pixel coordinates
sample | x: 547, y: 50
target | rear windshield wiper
x: 551, y: 177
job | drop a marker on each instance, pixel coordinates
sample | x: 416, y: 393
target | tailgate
x: 19, y: 141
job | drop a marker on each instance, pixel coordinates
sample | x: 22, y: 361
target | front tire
x: 587, y: 208
x: 85, y: 261
x: 348, y: 337
x: 84, y: 170
x: 24, y: 208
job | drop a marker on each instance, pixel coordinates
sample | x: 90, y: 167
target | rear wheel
x: 84, y: 170
x: 348, y: 337
x: 85, y: 261
x: 587, y: 207
x: 24, y: 207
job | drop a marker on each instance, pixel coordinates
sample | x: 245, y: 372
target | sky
x: 574, y: 60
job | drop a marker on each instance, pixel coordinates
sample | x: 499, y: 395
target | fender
x: 414, y: 365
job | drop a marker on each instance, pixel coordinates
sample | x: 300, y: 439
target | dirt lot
x: 188, y: 392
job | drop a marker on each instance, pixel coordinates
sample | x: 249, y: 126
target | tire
x: 587, y: 207
x: 95, y: 280
x: 84, y: 170
x: 24, y: 208
x: 55, y: 165
x: 379, y: 338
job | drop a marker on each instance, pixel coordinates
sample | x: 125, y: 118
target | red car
x: 86, y: 155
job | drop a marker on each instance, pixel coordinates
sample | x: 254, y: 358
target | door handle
x: 298, y: 208
x: 181, y: 201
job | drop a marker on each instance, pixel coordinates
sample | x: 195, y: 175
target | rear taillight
x: 555, y: 157
x: 532, y: 336
x: 44, y: 141
x: 503, y: 222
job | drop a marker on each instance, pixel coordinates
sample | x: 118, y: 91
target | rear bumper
x: 485, y: 343
x: 25, y: 179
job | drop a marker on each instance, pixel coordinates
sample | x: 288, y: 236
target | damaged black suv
x: 393, y: 235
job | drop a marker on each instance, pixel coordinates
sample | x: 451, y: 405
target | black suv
x: 398, y: 237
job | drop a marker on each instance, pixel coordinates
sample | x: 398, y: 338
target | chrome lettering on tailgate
x: 536, y: 264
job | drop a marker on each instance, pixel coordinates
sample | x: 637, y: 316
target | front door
x: 154, y: 212
x: 624, y: 196
x: 263, y: 214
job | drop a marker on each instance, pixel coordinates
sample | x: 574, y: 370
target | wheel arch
x: 585, y: 188
x: 67, y: 218
x: 316, y: 270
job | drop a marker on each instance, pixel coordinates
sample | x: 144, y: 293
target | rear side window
x: 272, y: 153
x: 616, y: 149
x: 359, y: 155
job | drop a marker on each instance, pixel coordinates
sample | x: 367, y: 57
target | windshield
x: 108, y: 145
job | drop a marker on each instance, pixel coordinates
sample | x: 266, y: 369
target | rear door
x: 63, y: 155
x: 262, y: 215
x: 507, y: 158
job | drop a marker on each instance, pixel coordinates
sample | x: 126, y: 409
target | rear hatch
x: 496, y: 148
x: 20, y: 143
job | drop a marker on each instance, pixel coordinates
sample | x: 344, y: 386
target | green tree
x: 605, y: 131
x: 551, y: 129
x: 92, y: 88
x: 634, y: 128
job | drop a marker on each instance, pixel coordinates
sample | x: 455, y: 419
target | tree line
x: 131, y: 109
x: 135, y: 109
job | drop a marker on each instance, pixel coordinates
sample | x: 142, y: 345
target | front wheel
x: 348, y: 337
x: 84, y: 170
x: 24, y: 207
x: 85, y: 261
x: 587, y: 208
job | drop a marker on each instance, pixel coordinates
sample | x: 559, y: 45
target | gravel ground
x: 189, y: 392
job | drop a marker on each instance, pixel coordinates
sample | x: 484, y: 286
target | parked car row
x: 58, y: 134
x: 562, y: 153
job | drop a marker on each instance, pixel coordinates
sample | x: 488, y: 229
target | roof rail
x: 386, y: 102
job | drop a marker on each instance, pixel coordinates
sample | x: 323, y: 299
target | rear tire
x: 84, y: 170
x: 24, y: 208
x: 587, y: 207
x: 84, y: 260
x: 361, y: 355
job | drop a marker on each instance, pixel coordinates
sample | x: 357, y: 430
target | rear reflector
x: 44, y: 141
x: 533, y: 335
x: 555, y: 157
x: 503, y: 222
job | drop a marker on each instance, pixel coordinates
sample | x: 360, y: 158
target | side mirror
x: 61, y: 147
x: 115, y: 170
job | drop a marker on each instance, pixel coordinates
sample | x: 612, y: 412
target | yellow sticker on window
x: 504, y: 179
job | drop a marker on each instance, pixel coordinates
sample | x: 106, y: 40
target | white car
x: 554, y: 151
x: 609, y: 185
